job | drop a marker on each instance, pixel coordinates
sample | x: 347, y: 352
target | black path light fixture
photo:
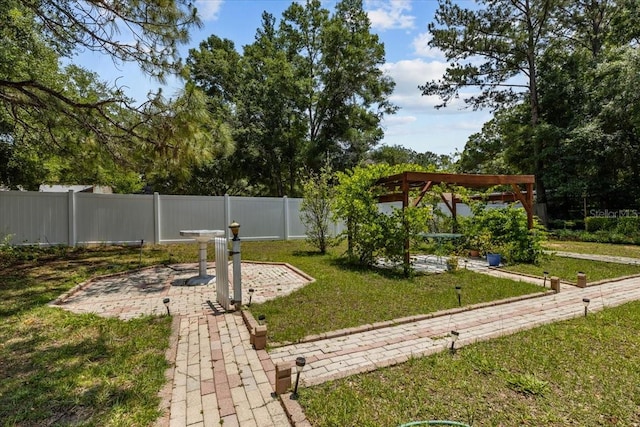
x: 459, y: 294
x: 544, y: 283
x: 454, y: 337
x: 166, y: 304
x: 261, y: 319
x: 251, y: 291
x: 300, y: 362
x: 585, y: 302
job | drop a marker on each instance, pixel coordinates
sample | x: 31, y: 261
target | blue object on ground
x: 494, y: 260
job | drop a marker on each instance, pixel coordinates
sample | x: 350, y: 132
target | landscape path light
x: 459, y: 293
x: 235, y: 228
x: 586, y: 302
x: 454, y: 337
x: 166, y: 304
x: 544, y: 283
x: 261, y: 319
x: 251, y: 291
x: 300, y: 362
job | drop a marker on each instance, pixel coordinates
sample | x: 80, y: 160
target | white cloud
x: 391, y: 121
x: 390, y: 14
x: 208, y: 9
x: 407, y: 75
x: 421, y: 47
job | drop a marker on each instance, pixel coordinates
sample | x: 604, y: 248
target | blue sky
x: 401, y: 26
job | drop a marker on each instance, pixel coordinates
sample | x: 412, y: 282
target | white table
x: 202, y: 237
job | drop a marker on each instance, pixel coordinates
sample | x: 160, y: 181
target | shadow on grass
x: 48, y: 384
x: 301, y: 253
x: 353, y: 266
x: 57, y: 368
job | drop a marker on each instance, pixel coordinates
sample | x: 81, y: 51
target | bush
x: 505, y: 231
x: 597, y: 223
x: 628, y: 225
x: 370, y: 232
x: 315, y: 210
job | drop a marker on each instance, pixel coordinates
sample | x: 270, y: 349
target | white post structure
x: 222, y: 272
x: 71, y: 203
x: 237, y: 273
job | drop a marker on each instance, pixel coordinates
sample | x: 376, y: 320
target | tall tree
x: 47, y: 105
x: 344, y: 92
x: 397, y: 155
x: 586, y: 112
x: 268, y: 110
x: 496, y: 49
x: 307, y: 90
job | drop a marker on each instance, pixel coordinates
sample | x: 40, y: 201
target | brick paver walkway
x: 339, y: 357
x: 217, y: 377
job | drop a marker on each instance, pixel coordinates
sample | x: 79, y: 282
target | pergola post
x: 405, y: 204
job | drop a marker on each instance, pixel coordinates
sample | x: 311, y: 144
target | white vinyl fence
x: 85, y: 218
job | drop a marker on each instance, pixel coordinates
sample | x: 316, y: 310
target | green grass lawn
x: 567, y: 269
x: 582, y: 372
x: 344, y: 296
x: 594, y: 248
x: 60, y: 368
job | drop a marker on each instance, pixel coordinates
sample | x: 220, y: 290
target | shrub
x: 370, y: 232
x: 315, y: 210
x: 505, y: 230
x: 597, y: 223
x: 628, y: 225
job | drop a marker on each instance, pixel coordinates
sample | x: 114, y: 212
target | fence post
x: 285, y: 206
x: 227, y: 216
x: 156, y: 218
x: 72, y: 218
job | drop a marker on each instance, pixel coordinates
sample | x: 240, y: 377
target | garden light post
x: 237, y: 273
x: 454, y: 337
x: 300, y: 362
x: 251, y: 291
x: 166, y: 304
x: 459, y: 293
x: 544, y: 283
x: 586, y: 302
x: 261, y: 319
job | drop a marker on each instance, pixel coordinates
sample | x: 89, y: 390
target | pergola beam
x: 419, y: 179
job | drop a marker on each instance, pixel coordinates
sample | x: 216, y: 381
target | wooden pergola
x: 399, y: 186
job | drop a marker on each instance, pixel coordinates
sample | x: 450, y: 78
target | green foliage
x: 504, y: 231
x: 315, y: 210
x: 583, y: 142
x: 597, y: 223
x: 308, y: 90
x: 605, y: 229
x: 371, y: 232
x: 528, y: 384
x: 63, y: 125
x: 397, y: 154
